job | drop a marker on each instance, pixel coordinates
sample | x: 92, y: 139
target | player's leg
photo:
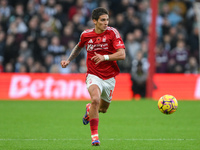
x: 103, y: 106
x: 90, y: 81
x: 95, y: 94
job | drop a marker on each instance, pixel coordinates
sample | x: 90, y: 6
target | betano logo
x: 24, y: 86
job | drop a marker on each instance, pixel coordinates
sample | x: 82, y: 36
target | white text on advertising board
x: 23, y: 85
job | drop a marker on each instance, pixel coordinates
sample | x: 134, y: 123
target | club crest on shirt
x: 104, y: 39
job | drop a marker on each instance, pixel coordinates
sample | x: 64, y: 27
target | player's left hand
x: 97, y: 58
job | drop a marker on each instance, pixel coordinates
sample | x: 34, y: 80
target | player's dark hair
x: 98, y: 12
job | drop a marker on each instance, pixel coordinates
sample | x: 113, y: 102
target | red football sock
x: 94, y: 126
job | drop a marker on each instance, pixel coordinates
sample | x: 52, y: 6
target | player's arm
x: 119, y: 55
x: 75, y: 52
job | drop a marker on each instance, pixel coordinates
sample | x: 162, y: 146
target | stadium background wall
x: 72, y: 86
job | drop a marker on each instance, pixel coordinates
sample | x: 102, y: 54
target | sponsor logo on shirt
x: 120, y: 44
x: 91, y: 47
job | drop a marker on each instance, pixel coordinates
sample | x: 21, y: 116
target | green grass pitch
x: 128, y: 125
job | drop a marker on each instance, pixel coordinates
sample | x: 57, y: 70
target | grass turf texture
x: 138, y: 125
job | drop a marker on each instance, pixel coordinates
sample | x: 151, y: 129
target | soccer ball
x: 167, y: 104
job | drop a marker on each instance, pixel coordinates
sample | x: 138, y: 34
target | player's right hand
x: 64, y: 63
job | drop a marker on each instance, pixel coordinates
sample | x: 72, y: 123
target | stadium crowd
x: 36, y: 34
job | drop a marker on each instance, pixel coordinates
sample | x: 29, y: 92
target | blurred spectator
x: 56, y: 49
x: 165, y: 10
x: 191, y: 66
x: 81, y: 9
x: 54, y: 69
x: 67, y: 4
x: 179, y: 5
x: 162, y: 57
x: 121, y: 7
x: 60, y: 15
x: 139, y: 72
x: 18, y: 26
x: 24, y: 53
x: 173, y: 35
x: 132, y: 45
x: 193, y: 42
x: 18, y: 12
x: 33, y: 32
x: 91, y: 4
x: 23, y: 68
x: 144, y: 48
x: 41, y: 49
x: 138, y: 34
x: 139, y: 77
x: 140, y: 58
x: 174, y: 16
x: 5, y: 12
x: 121, y: 24
x: 125, y: 65
x: 104, y: 4
x: 180, y: 56
x: 24, y: 49
x: 144, y: 13
x: 48, y: 62
x: 50, y: 8
x: 167, y: 42
x: 9, y: 67
x: 78, y: 26
x: 165, y: 27
x: 19, y: 63
x: 129, y: 21
x: 73, y: 68
x: 67, y: 35
x: 31, y: 10
x: 50, y: 26
x: 2, y: 45
x: 29, y: 62
x: 37, y: 68
x: 10, y: 51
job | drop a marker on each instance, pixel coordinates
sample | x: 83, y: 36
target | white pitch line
x: 151, y: 139
x: 101, y: 139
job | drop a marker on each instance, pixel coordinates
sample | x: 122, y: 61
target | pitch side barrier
x: 182, y: 86
x: 36, y: 86
x: 17, y: 86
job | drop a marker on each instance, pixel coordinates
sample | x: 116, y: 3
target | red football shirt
x: 104, y: 43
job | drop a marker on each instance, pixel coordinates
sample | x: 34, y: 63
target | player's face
x: 102, y: 23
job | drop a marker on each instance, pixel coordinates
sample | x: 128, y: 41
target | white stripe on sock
x: 94, y: 135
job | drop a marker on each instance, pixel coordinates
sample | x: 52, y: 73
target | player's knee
x: 103, y: 110
x: 95, y: 101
